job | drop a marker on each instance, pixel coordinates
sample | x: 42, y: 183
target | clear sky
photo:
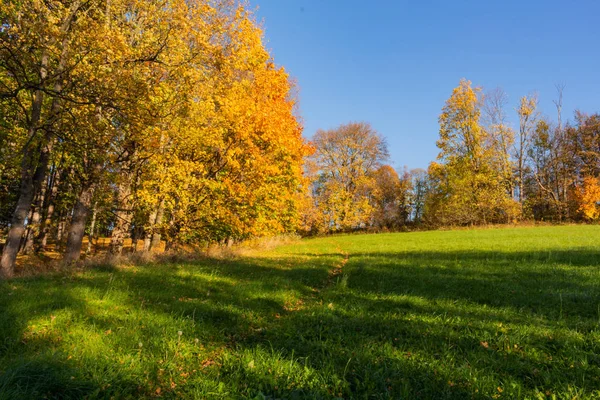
x: 394, y: 63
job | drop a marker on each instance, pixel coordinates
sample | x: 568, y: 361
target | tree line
x: 167, y: 121
x: 487, y: 171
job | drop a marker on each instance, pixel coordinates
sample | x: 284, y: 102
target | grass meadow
x: 471, y: 314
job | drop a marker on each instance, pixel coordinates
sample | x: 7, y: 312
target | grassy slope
x: 507, y: 313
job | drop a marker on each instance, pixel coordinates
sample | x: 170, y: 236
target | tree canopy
x: 158, y: 119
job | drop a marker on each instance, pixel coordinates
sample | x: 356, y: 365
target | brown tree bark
x: 156, y: 236
x: 92, y: 228
x: 136, y: 234
x: 33, y: 225
x: 48, y: 211
x: 123, y: 220
x: 26, y: 192
x: 149, y: 230
x: 60, y: 230
x: 17, y: 227
x: 77, y: 226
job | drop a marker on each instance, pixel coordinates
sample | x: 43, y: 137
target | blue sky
x: 394, y: 63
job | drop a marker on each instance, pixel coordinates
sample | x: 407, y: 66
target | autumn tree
x: 392, y: 198
x: 500, y: 136
x: 38, y: 61
x: 469, y: 186
x: 167, y: 120
x: 528, y: 116
x: 420, y: 192
x: 583, y: 146
x: 346, y: 158
x: 587, y: 195
x: 542, y: 200
x: 557, y: 159
x: 229, y: 166
x: 584, y: 141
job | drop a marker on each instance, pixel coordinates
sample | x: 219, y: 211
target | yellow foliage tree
x: 345, y: 159
x: 587, y: 196
x: 470, y: 188
x: 229, y: 165
x: 173, y: 114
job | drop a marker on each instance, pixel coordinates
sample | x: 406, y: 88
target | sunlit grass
x: 499, y: 313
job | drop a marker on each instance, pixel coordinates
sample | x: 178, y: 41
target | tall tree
x: 420, y: 192
x: 229, y: 165
x: 391, y: 198
x: 528, y: 117
x: 500, y: 135
x: 37, y: 60
x: 346, y: 157
x: 470, y: 188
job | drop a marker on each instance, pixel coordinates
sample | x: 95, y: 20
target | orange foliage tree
x: 587, y: 196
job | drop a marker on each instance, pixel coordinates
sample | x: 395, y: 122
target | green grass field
x: 498, y: 313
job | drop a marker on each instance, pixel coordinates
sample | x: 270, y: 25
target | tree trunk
x: 33, y: 226
x: 135, y: 236
x: 91, y: 235
x: 122, y: 223
x: 77, y: 226
x: 520, y: 182
x: 29, y: 185
x: 17, y: 227
x: 160, y: 212
x: 147, y: 241
x: 26, y: 190
x: 149, y: 230
x: 48, y: 207
x: 60, y: 230
x: 24, y: 237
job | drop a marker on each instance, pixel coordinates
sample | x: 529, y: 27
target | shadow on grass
x: 57, y: 378
x: 44, y: 378
x: 397, y: 325
x: 554, y: 285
